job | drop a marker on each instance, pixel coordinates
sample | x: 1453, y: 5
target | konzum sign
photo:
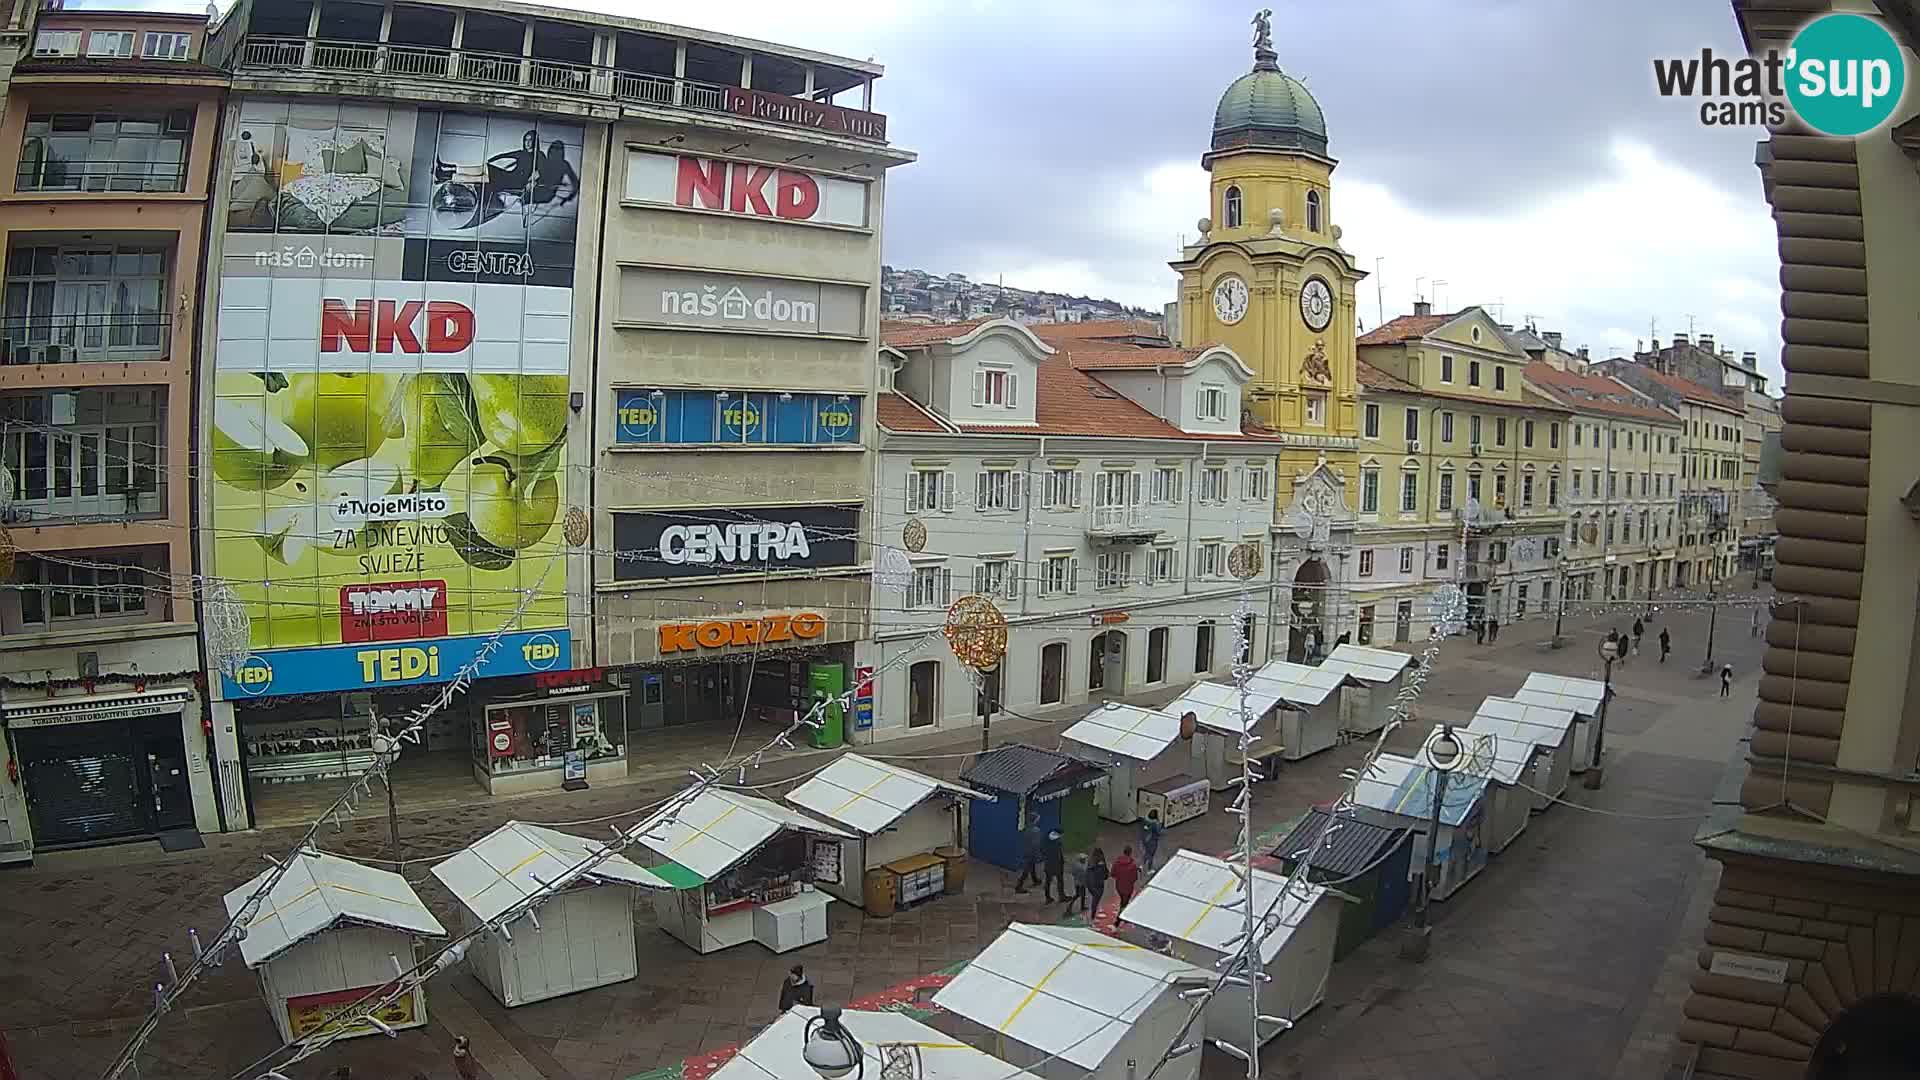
x: 729, y: 633
x: 744, y: 188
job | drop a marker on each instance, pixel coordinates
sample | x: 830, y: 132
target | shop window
x: 105, y: 151
x: 1157, y: 654
x: 1364, y: 636
x: 521, y: 736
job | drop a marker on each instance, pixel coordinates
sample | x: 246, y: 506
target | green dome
x: 1267, y: 108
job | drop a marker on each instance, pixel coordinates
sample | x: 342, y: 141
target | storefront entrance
x: 1053, y: 673
x: 89, y: 781
x: 1107, y: 663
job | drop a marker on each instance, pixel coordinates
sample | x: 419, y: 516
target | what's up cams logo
x: 1843, y: 75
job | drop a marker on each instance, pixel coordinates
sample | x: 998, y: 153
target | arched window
x: 1231, y: 212
x: 1313, y: 211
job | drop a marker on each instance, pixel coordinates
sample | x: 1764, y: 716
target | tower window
x: 1232, y: 209
x: 1313, y: 211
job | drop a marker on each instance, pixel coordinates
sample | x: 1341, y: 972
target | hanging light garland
x: 229, y: 627
x: 977, y: 632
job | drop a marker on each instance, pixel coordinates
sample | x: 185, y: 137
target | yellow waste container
x: 956, y: 871
x: 880, y: 892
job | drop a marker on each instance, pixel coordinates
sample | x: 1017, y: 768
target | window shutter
x: 1015, y: 483
x: 913, y: 492
x: 1013, y: 389
x: 946, y: 586
x: 980, y: 577
x: 1077, y: 495
x: 1138, y: 481
x: 946, y: 491
x: 1073, y: 574
x: 980, y: 491
x: 979, y: 387
x: 1012, y: 584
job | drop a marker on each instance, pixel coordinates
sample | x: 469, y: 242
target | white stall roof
x: 1543, y: 725
x: 1368, y: 664
x: 319, y: 891
x: 719, y: 828
x: 1403, y: 786
x: 515, y: 861
x: 868, y: 795
x: 1299, y: 684
x: 1579, y: 695
x: 1184, y: 898
x: 1067, y: 991
x: 774, y: 1054
x: 1216, y: 706
x: 1128, y: 730
x: 1491, y: 755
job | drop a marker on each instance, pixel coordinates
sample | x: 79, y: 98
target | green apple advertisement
x: 388, y: 438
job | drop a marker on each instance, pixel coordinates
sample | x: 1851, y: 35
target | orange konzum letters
x: 721, y: 634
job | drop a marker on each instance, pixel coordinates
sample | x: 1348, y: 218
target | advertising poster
x: 388, y: 438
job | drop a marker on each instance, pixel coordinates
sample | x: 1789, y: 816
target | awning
x: 89, y: 708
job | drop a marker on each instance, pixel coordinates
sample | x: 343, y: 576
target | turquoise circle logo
x: 1845, y: 74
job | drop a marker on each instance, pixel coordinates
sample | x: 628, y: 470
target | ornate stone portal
x: 1310, y: 554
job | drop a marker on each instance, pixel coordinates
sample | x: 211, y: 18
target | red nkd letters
x: 385, y: 326
x: 737, y: 188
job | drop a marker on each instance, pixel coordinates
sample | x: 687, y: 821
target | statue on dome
x: 1263, y: 30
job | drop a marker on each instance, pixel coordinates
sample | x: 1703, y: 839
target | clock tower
x: 1268, y: 277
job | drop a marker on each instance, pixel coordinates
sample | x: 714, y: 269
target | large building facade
x: 106, y: 154
x: 525, y: 332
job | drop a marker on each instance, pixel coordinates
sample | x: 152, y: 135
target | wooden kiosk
x: 1310, y: 704
x: 1145, y: 760
x: 1030, y: 787
x: 740, y: 869
x: 1367, y: 703
x: 903, y: 823
x: 1549, y: 730
x: 1581, y: 697
x: 1398, y: 794
x: 776, y: 1053
x: 576, y: 940
x: 329, y: 934
x: 1215, y: 708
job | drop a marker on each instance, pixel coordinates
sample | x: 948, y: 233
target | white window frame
x: 1441, y: 555
x: 1370, y: 420
x: 57, y: 43
x: 996, y: 387
x: 1316, y: 408
x: 1213, y: 484
x: 110, y: 44
x: 1446, y: 368
x: 931, y: 587
x: 1167, y: 484
x: 1163, y: 565
x: 997, y: 576
x: 1209, y: 559
x: 1409, y: 492
x: 928, y: 490
x: 1369, y: 491
x: 997, y: 490
x: 1254, y: 484
x: 1213, y: 402
x: 1112, y: 570
x: 1406, y: 560
x: 1060, y: 576
x: 1446, y: 427
x: 1062, y: 488
x: 92, y: 586
x: 1412, y: 424
x: 165, y: 45
x: 1445, y: 492
x: 1366, y: 562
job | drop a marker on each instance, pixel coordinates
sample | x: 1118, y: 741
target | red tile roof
x: 1690, y: 390
x: 1073, y: 402
x: 1404, y: 328
x: 898, y: 412
x: 1103, y: 356
x: 1096, y: 328
x: 1587, y: 392
x: 1376, y: 379
x: 1372, y: 378
x: 907, y: 335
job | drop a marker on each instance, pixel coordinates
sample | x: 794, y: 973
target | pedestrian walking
x: 1079, y: 898
x: 1639, y: 629
x: 1480, y: 632
x: 1053, y: 860
x: 464, y: 1066
x: 1756, y: 623
x: 1031, y: 842
x: 796, y: 989
x: 1150, y: 831
x: 1726, y: 680
x: 1097, y: 875
x: 1493, y: 631
x: 1126, y: 874
x: 1666, y: 644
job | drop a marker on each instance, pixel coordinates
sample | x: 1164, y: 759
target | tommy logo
x: 393, y: 611
x: 386, y: 326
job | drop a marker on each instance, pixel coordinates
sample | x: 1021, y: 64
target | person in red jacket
x: 1126, y: 874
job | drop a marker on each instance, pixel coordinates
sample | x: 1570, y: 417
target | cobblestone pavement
x: 1557, y: 955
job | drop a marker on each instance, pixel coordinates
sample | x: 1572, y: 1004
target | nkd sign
x: 662, y: 297
x: 748, y: 189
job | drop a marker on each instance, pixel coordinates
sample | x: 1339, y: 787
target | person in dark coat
x: 1097, y: 875
x: 1639, y: 630
x: 1126, y: 875
x: 1726, y: 680
x: 1666, y: 644
x: 1031, y: 842
x: 797, y: 989
x: 1079, y: 897
x: 1150, y: 832
x: 1053, y: 858
x: 1493, y: 631
x: 463, y: 1064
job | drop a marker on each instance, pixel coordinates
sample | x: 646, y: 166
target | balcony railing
x: 553, y: 76
x: 55, y: 174
x: 1117, y: 517
x: 73, y: 339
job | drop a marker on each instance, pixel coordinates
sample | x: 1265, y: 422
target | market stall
x: 1367, y: 704
x: 1398, y: 794
x: 328, y: 934
x: 1216, y: 710
x: 1504, y: 764
x: 1196, y: 900
x: 740, y: 869
x: 1581, y: 697
x: 1551, y: 732
x: 1370, y: 863
x: 1310, y: 709
x: 1072, y: 1003
x: 775, y: 1053
x: 904, y: 823
x: 1146, y: 761
x: 578, y: 939
x: 1030, y: 786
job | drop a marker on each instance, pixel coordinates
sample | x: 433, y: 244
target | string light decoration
x: 914, y: 535
x: 9, y: 555
x: 577, y: 528
x: 1243, y: 561
x: 229, y: 629
x: 977, y: 632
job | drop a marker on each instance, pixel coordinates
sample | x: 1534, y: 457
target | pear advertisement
x: 388, y: 438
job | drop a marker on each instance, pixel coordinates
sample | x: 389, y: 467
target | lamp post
x: 830, y: 1049
x: 1560, y: 612
x: 1713, y: 621
x: 1596, y: 773
x: 1443, y: 754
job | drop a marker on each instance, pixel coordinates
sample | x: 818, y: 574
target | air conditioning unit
x: 1413, y: 446
x: 1474, y: 449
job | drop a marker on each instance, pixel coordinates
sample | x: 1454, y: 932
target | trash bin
x: 879, y: 892
x: 956, y: 869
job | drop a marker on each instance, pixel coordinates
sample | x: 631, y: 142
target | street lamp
x: 1560, y: 612
x: 1443, y: 754
x: 1596, y: 769
x: 830, y: 1049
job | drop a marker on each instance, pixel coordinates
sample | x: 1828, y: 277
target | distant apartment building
x: 106, y: 154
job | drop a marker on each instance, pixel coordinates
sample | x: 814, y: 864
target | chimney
x: 1706, y: 342
x: 1748, y: 360
x: 1680, y: 341
x: 1552, y: 338
x: 1506, y: 328
x: 1584, y: 354
x: 1423, y: 307
x: 1653, y: 345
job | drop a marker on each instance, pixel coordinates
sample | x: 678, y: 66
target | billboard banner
x: 746, y: 189
x: 698, y: 300
x: 697, y: 543
x: 391, y: 390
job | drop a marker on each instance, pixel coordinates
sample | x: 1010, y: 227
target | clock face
x: 1230, y: 299
x: 1316, y: 303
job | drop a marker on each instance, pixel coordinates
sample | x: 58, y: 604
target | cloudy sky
x: 1513, y: 149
